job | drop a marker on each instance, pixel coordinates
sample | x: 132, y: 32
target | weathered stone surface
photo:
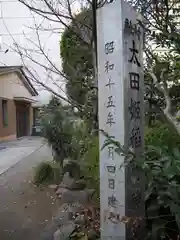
x: 53, y: 186
x: 72, y: 167
x: 82, y: 196
x: 66, y: 212
x: 64, y: 232
x: 67, y: 181
x: 80, y: 219
x: 64, y: 216
x: 61, y: 191
x: 57, y: 235
x: 48, y: 232
x: 78, y: 185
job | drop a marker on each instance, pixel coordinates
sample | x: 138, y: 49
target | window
x: 4, y: 113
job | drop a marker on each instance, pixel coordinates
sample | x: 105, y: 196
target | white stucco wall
x: 11, y: 86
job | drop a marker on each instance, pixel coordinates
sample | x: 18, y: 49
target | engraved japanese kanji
x: 134, y: 58
x: 134, y: 109
x: 110, y: 119
x: 112, y: 201
x: 131, y: 28
x: 135, y: 138
x: 111, y: 169
x: 111, y: 183
x: 110, y: 83
x: 110, y: 102
x: 111, y: 152
x: 134, y: 79
x: 108, y: 66
x: 109, y: 47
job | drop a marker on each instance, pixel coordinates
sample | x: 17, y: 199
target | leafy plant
x: 162, y: 135
x: 163, y: 191
x: 47, y: 172
x: 80, y: 140
x: 161, y: 166
x: 91, y: 165
x: 43, y: 173
x: 58, y: 130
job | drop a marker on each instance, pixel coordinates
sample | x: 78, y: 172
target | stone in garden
x: 66, y: 212
x: 82, y: 196
x: 57, y: 235
x: 78, y: 185
x: 48, y: 232
x: 63, y: 216
x: 80, y: 219
x: 64, y: 232
x: 53, y: 186
x: 72, y: 167
x: 67, y: 181
x: 60, y: 191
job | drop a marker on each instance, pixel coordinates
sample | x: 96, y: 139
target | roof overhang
x: 23, y: 99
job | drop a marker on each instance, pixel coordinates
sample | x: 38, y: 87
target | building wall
x: 17, y: 26
x: 11, y: 86
x: 8, y: 132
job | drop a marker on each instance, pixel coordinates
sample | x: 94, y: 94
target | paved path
x: 12, y: 152
x: 24, y: 209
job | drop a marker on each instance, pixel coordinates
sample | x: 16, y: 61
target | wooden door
x: 22, y: 120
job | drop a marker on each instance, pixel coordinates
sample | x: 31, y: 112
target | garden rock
x: 67, y: 181
x: 49, y: 232
x: 64, y: 232
x: 80, y: 219
x: 66, y: 212
x: 63, y: 217
x: 72, y: 167
x: 53, y: 186
x: 61, y: 191
x: 78, y: 185
x: 82, y: 196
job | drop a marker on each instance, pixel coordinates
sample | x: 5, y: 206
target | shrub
x: 162, y: 192
x: 163, y: 136
x: 161, y: 167
x: 91, y: 168
x: 80, y: 141
x: 58, y: 131
x: 47, y: 172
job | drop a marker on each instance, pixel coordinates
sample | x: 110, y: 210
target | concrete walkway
x: 24, y: 209
x: 13, y: 152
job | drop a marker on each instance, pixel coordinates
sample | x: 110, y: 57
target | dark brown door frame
x: 22, y: 119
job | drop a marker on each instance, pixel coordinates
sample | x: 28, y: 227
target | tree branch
x: 164, y: 89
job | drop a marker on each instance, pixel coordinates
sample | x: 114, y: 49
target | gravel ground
x: 25, y: 209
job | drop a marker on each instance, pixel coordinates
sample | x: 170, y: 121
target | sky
x: 17, y: 27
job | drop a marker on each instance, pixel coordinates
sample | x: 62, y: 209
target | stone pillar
x: 120, y: 83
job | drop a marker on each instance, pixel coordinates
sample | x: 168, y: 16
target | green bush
x: 80, y: 141
x: 162, y: 170
x: 162, y: 192
x: 91, y: 167
x: 163, y: 136
x: 161, y: 167
x: 58, y: 130
x: 47, y: 172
